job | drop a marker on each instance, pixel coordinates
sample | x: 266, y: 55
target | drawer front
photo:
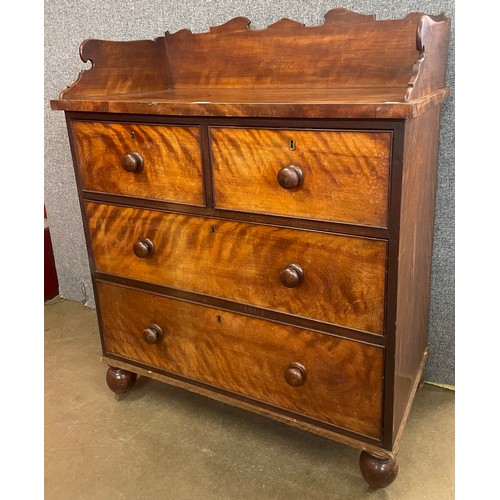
x: 343, y: 176
x: 341, y: 384
x: 147, y: 161
x: 342, y: 280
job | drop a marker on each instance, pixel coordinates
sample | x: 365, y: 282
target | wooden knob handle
x: 132, y: 162
x: 153, y: 334
x: 144, y: 248
x: 291, y: 276
x: 290, y: 177
x: 296, y: 374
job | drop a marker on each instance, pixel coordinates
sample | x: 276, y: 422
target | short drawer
x: 329, y: 379
x: 327, y: 277
x: 340, y: 176
x: 147, y: 161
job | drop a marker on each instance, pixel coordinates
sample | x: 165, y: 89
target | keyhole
x: 292, y: 145
x: 132, y: 134
x: 219, y: 318
x: 212, y: 229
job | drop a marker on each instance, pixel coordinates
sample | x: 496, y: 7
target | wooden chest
x: 258, y: 207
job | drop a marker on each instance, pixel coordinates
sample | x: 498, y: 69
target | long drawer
x: 338, y: 176
x: 326, y: 378
x: 159, y: 162
x: 326, y: 277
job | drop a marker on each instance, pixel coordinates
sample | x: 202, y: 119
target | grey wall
x: 69, y: 22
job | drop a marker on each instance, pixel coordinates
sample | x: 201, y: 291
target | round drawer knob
x: 296, y: 374
x: 132, y: 162
x: 144, y: 248
x: 152, y: 334
x: 290, y: 177
x: 291, y: 276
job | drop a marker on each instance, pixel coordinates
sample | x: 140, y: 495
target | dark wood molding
x: 247, y: 310
x: 392, y: 279
x: 331, y: 122
x: 264, y: 219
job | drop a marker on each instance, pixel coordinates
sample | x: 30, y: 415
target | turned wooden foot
x: 378, y: 472
x: 120, y: 381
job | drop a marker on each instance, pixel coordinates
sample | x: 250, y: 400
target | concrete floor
x: 165, y: 443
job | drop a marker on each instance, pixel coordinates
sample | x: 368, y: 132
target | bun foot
x: 120, y: 381
x: 378, y: 472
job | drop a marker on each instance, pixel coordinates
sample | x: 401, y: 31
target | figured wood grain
x: 415, y: 256
x: 344, y: 277
x: 346, y: 173
x: 348, y: 50
x: 249, y: 356
x: 172, y: 169
x: 120, y: 67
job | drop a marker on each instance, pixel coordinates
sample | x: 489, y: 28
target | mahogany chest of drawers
x: 258, y: 207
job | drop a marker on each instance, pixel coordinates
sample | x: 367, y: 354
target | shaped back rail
x: 348, y: 51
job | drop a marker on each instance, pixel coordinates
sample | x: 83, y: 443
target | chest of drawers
x: 259, y: 216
